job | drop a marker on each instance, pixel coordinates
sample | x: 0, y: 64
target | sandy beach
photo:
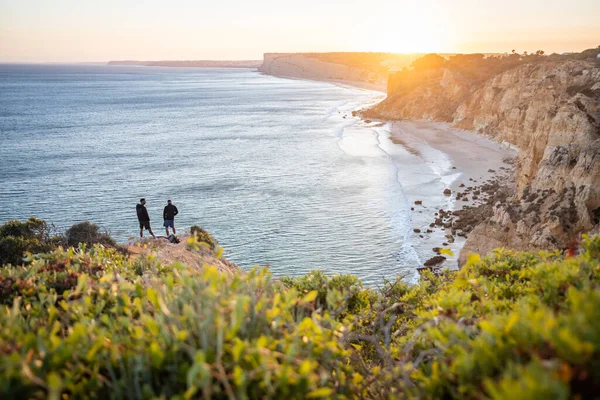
x: 455, y: 160
x: 376, y: 86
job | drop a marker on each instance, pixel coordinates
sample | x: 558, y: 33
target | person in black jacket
x: 169, y: 214
x: 144, y: 218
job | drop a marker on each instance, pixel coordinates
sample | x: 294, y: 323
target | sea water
x: 278, y: 170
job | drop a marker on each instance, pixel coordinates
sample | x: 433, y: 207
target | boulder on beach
x: 435, y: 260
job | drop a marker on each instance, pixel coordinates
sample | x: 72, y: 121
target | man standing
x: 144, y: 218
x: 169, y: 214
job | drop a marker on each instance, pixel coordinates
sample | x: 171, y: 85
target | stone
x: 435, y: 260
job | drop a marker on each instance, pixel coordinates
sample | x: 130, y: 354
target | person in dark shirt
x: 169, y: 214
x: 143, y: 218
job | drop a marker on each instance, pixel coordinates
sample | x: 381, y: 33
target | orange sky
x: 69, y: 30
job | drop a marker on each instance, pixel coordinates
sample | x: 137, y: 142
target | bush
x: 89, y: 234
x: 203, y: 236
x: 339, y: 294
x: 94, y: 323
x: 107, y: 332
x: 18, y: 237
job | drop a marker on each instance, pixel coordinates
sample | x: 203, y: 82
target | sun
x: 412, y: 39
x: 410, y: 28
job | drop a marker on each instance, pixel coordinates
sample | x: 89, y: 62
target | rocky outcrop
x: 551, y: 111
x: 192, y: 256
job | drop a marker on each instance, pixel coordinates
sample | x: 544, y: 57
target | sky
x: 97, y: 31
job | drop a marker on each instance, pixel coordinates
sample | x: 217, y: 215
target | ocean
x: 278, y: 170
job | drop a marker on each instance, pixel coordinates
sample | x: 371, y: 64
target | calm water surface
x: 278, y: 170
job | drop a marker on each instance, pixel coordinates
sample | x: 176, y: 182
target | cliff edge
x: 187, y: 252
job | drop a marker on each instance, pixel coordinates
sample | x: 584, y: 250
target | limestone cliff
x: 551, y: 111
x: 316, y: 67
x: 432, y: 95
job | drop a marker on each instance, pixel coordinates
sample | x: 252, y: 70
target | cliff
x: 550, y: 110
x: 311, y: 66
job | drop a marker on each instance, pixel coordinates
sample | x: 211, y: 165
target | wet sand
x: 453, y: 158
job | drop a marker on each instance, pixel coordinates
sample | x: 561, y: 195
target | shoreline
x: 463, y: 162
x: 380, y: 87
x: 471, y: 165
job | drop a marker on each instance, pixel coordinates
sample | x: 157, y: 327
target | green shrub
x: 94, y: 327
x: 33, y: 235
x: 203, y: 236
x: 339, y: 294
x: 95, y: 323
x: 89, y: 234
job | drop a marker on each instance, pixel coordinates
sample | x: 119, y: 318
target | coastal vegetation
x: 33, y: 235
x: 37, y: 236
x: 88, y: 234
x: 93, y: 322
x: 203, y: 236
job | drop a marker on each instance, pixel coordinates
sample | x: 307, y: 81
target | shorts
x: 169, y: 223
x: 145, y: 225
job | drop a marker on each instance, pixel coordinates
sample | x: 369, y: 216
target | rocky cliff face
x: 551, y: 111
x: 429, y: 95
